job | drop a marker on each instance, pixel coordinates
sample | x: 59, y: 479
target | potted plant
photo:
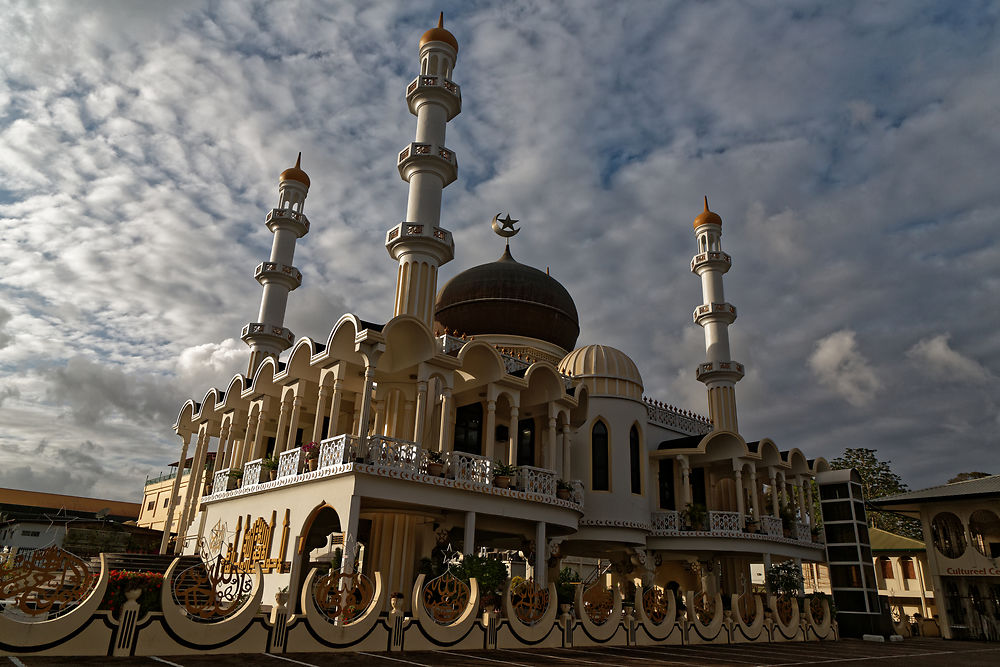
x: 270, y: 464
x: 502, y: 474
x: 787, y: 520
x: 235, y: 477
x: 569, y: 579
x: 396, y: 601
x: 281, y: 596
x: 815, y: 531
x: 564, y: 490
x: 695, y: 515
x: 310, y: 452
x: 435, y: 463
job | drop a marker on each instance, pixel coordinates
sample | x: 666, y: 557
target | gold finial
x: 439, y: 34
x: 295, y: 173
x: 707, y: 217
x: 298, y: 165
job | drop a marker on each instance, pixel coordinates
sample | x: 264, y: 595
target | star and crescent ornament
x: 504, y: 226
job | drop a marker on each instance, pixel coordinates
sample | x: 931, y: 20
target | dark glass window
x: 697, y: 479
x: 634, y: 459
x: 600, y: 479
x: 526, y: 442
x: 833, y: 491
x: 840, y: 554
x: 837, y: 511
x: 666, y: 484
x: 469, y: 428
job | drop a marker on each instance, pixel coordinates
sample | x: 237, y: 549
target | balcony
x: 670, y: 523
x: 401, y: 460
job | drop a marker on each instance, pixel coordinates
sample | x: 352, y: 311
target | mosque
x: 471, y: 420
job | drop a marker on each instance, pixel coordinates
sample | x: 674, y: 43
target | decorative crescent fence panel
x: 212, y: 607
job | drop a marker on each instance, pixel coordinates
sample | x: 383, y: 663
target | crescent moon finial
x: 504, y: 227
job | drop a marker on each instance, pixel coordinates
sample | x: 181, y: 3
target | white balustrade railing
x: 666, y: 521
x: 289, y: 463
x: 536, y: 480
x: 252, y: 472
x: 392, y: 453
x: 383, y: 451
x: 470, y: 467
x: 728, y: 522
x: 220, y: 481
x: 337, y: 450
x: 771, y: 525
x: 801, y: 532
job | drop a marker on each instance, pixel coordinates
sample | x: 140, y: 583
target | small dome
x: 509, y: 298
x: 295, y: 173
x: 439, y: 34
x: 605, y: 370
x: 707, y: 217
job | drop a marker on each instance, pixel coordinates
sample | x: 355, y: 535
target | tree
x: 877, y: 480
x: 966, y: 476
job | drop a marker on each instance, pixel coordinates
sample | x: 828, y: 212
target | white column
x: 740, y: 502
x: 293, y: 423
x: 225, y: 445
x: 489, y: 434
x: 810, y: 502
x: 470, y: 534
x: 540, y: 555
x: 366, y: 402
x: 174, y: 488
x: 321, y: 403
x: 550, y: 446
x: 421, y: 413
x: 335, y: 401
x: 754, y: 496
x: 767, y: 566
x: 281, y: 436
x: 685, y: 481
x: 773, y: 479
x: 567, y: 469
x: 190, y: 495
x: 512, y: 454
x: 350, y: 528
x: 443, y: 444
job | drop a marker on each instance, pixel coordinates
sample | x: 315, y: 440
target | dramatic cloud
x: 849, y: 148
x: 936, y: 357
x: 839, y: 365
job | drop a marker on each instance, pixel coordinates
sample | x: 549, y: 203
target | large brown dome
x: 507, y: 297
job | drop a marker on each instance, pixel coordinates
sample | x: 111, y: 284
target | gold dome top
x: 707, y: 217
x: 295, y: 173
x: 439, y: 34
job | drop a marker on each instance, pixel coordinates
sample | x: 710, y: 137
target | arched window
x: 634, y: 460
x: 526, y: 442
x: 949, y: 535
x: 600, y: 477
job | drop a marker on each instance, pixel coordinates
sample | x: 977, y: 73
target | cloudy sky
x: 851, y: 149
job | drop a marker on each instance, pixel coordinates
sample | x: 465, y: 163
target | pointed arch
x: 600, y: 455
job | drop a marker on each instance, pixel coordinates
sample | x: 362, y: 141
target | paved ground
x: 910, y: 653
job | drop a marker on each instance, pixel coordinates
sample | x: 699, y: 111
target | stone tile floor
x: 909, y: 653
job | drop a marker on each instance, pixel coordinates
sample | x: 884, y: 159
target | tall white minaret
x: 268, y: 336
x: 418, y: 244
x: 719, y: 372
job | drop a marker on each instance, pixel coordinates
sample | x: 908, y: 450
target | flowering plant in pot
x: 310, y: 452
x: 435, y: 463
x: 564, y: 490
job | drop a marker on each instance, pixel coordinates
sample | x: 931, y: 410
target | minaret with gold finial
x: 268, y: 336
x: 719, y: 372
x: 419, y: 244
